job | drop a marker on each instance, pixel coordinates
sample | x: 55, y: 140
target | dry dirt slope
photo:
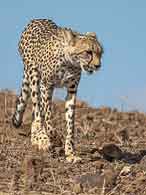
x: 111, y: 144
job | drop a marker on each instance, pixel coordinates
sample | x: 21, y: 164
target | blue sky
x: 120, y: 26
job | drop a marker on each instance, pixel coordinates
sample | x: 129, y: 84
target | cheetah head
x: 84, y: 50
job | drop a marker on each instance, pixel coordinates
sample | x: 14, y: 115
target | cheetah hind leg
x: 39, y: 137
x: 21, y: 102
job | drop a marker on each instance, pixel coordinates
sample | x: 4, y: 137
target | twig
x: 103, y: 187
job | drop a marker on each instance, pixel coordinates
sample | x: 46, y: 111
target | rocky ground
x: 111, y: 144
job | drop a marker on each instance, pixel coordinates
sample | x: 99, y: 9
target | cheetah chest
x: 62, y: 78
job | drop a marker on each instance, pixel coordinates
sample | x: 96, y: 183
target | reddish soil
x: 111, y: 144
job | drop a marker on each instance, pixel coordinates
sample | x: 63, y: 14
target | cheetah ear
x: 91, y: 34
x: 69, y: 37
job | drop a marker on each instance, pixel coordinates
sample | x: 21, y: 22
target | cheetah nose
x: 97, y: 66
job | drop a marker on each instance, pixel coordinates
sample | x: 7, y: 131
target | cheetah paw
x: 73, y: 158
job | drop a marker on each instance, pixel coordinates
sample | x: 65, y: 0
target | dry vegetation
x: 111, y: 144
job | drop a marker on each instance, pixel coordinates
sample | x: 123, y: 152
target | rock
x: 111, y: 152
x: 89, y: 180
x: 143, y: 163
x: 125, y: 171
x: 131, y: 157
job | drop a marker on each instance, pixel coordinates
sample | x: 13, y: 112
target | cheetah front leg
x: 39, y: 137
x: 69, y: 143
x: 46, y: 104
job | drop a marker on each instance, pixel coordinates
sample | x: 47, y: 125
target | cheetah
x: 53, y: 57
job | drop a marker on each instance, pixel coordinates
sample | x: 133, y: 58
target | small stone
x: 111, y: 152
x: 125, y: 171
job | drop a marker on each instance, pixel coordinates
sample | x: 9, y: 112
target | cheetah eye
x: 89, y: 52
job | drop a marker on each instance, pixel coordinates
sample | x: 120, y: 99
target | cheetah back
x: 36, y: 33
